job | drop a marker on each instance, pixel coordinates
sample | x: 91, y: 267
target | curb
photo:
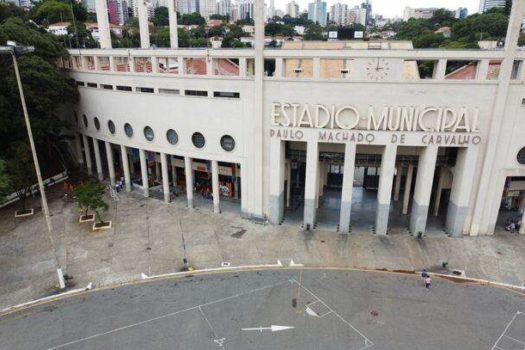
x: 278, y: 266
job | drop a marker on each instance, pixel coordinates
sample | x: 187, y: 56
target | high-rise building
x: 292, y: 9
x: 118, y: 11
x: 187, y: 6
x: 461, y: 13
x: 317, y: 12
x: 485, y: 5
x: 207, y: 8
x: 224, y: 7
x: 89, y: 5
x: 367, y: 6
x: 357, y: 15
x: 339, y: 14
x: 235, y: 13
x: 246, y: 9
x: 271, y: 9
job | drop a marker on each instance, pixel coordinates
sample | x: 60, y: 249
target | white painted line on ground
x: 273, y: 328
x: 163, y: 316
x: 481, y: 281
x: 368, y: 342
x: 505, y: 330
x: 213, y: 269
x: 51, y: 297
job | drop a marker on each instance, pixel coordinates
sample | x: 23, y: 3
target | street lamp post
x: 14, y: 50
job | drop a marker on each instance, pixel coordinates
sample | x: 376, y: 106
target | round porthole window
x: 111, y: 126
x: 97, y: 123
x: 128, y: 129
x: 85, y: 120
x: 148, y: 133
x: 198, y: 140
x: 521, y: 156
x: 227, y: 143
x: 172, y: 136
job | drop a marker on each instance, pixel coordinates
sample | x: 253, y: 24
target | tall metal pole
x: 38, y: 175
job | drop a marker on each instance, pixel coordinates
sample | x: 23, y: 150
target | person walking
x: 424, y: 274
x: 428, y: 282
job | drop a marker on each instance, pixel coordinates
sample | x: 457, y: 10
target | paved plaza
x: 149, y: 236
x: 256, y: 310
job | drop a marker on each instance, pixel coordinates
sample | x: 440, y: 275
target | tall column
x: 78, y: 149
x: 236, y: 181
x: 289, y: 183
x: 87, y: 154
x: 522, y: 227
x: 215, y: 186
x: 439, y: 189
x: 384, y: 191
x: 111, y: 164
x: 172, y: 15
x: 189, y: 181
x: 257, y: 141
x: 165, y: 177
x: 144, y: 172
x: 103, y: 24
x: 318, y: 182
x: 460, y: 193
x: 143, y: 24
x: 125, y: 166
x: 157, y: 169
x: 348, y: 187
x: 408, y: 188
x: 98, y: 161
x: 425, y: 177
x: 310, y: 188
x: 276, y: 199
x: 131, y: 164
x: 397, y: 187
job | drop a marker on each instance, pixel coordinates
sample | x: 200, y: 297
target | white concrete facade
x: 363, y: 111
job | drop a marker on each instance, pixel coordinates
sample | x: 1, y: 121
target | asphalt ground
x: 323, y: 310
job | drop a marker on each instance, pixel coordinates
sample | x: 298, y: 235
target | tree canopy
x: 192, y: 19
x: 161, y: 17
x: 5, y: 181
x: 90, y: 195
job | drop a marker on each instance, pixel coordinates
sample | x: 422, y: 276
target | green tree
x: 21, y: 171
x: 192, y: 19
x: 216, y: 31
x: 313, y: 32
x: 46, y: 89
x: 221, y: 17
x: 80, y: 36
x: 161, y: 17
x: 90, y: 196
x: 10, y: 10
x: 52, y: 11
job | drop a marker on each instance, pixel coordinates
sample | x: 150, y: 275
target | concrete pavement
x: 147, y: 237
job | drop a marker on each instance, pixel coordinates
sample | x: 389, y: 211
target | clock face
x: 377, y: 69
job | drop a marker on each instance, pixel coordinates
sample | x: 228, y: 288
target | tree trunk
x: 98, y: 217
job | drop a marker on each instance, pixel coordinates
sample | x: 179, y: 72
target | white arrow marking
x: 272, y: 328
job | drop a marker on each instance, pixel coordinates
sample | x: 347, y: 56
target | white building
x: 58, y: 28
x: 330, y: 137
x: 224, y: 7
x: 187, y: 6
x: 339, y: 13
x: 485, y: 5
x: 357, y: 15
x: 423, y: 12
x: 317, y: 12
x: 292, y: 9
x: 207, y: 8
x: 246, y: 9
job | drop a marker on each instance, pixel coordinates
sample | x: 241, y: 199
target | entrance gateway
x: 378, y: 173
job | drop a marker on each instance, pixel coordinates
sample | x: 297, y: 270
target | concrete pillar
x: 242, y: 67
x: 384, y: 191
x: 408, y: 188
x: 310, y: 188
x: 189, y: 181
x: 144, y: 172
x: 316, y: 74
x: 111, y: 164
x: 165, y: 177
x: 439, y: 189
x: 125, y: 167
x: 87, y: 154
x: 236, y: 181
x: 425, y: 177
x: 397, y: 187
x: 289, y: 183
x: 172, y: 15
x: 103, y: 24
x: 78, y: 149
x: 461, y: 188
x: 318, y: 183
x: 440, y: 69
x: 215, y: 186
x: 522, y: 227
x: 278, y: 73
x: 276, y: 199
x: 348, y: 187
x: 244, y: 184
x: 98, y: 160
x: 143, y: 24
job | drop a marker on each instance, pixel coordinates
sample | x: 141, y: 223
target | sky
x: 392, y: 8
